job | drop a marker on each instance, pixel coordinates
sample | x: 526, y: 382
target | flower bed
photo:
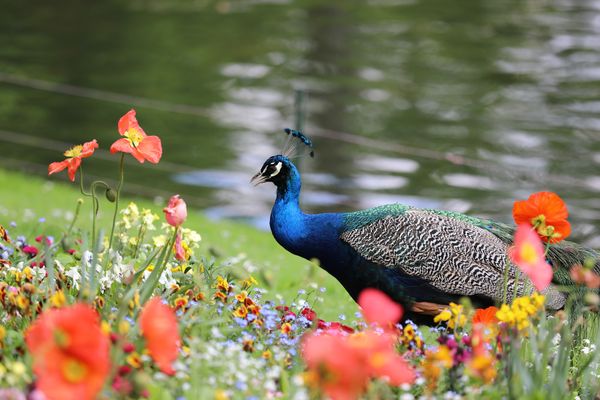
x: 143, y: 313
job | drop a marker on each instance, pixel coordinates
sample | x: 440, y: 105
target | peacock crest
x: 296, y: 138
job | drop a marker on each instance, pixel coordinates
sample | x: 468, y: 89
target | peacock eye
x: 273, y: 169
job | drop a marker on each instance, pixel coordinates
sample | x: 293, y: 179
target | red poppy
x: 135, y: 140
x: 547, y: 213
x: 74, y: 156
x: 378, y: 308
x: 70, y: 352
x: 159, y: 327
x: 485, y: 316
x: 528, y: 254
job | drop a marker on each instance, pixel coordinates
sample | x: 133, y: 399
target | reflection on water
x: 430, y: 106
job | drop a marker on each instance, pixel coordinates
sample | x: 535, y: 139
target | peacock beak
x: 258, y: 179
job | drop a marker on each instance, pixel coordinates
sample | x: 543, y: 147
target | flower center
x: 74, y: 151
x: 61, y: 338
x: 528, y: 253
x: 378, y: 359
x: 74, y: 371
x: 134, y: 136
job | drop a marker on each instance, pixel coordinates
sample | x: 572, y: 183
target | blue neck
x: 306, y: 235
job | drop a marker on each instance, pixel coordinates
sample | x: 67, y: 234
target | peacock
x: 422, y: 258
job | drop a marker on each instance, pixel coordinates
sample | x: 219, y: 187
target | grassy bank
x: 26, y: 199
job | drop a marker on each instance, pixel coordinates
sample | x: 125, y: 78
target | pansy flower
x: 73, y: 161
x: 135, y: 141
x: 546, y: 213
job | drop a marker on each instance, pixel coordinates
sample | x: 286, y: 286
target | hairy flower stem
x: 96, y: 207
x: 75, y: 216
x: 140, y: 239
x: 121, y: 176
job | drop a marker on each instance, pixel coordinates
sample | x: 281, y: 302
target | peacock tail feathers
x: 453, y: 252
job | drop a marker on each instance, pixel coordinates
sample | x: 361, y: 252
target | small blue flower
x: 13, y: 224
x: 42, y: 220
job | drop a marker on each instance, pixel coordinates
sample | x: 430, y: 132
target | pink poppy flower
x: 528, y: 254
x: 175, y: 211
x: 378, y: 308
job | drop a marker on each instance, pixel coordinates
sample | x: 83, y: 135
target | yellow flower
x: 134, y: 360
x: 221, y: 395
x: 443, y: 316
x: 222, y: 284
x: 483, y: 366
x: 124, y: 327
x: 241, y: 312
x: 58, y: 299
x: 433, y: 364
x: 454, y: 316
x: 28, y: 273
x: 22, y: 302
x: 249, y: 282
x: 241, y: 297
x: 105, y: 326
x: 286, y: 328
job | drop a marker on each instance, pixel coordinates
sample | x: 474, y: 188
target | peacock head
x: 276, y: 169
x: 279, y: 169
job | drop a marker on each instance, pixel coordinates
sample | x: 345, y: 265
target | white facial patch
x: 277, y: 169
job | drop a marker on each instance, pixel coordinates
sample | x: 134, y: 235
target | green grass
x: 25, y: 199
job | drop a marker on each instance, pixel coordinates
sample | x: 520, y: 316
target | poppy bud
x: 111, y: 195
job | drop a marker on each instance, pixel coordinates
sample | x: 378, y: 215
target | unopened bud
x: 111, y: 195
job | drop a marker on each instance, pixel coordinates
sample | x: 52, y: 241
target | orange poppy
x: 547, y: 213
x: 159, y: 327
x: 485, y: 316
x: 135, y: 140
x: 73, y: 161
x: 342, y: 365
x: 70, y: 352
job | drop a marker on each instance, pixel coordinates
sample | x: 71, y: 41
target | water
x: 464, y: 106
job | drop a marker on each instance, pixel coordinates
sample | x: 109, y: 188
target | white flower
x: 75, y: 276
x: 556, y: 339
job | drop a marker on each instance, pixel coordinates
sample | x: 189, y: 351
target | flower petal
x: 159, y: 327
x: 533, y: 265
x: 88, y: 148
x: 126, y: 121
x: 379, y: 308
x: 121, y: 145
x: 74, y: 164
x: 151, y: 148
x: 57, y: 166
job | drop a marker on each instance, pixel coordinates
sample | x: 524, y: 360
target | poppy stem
x: 121, y: 176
